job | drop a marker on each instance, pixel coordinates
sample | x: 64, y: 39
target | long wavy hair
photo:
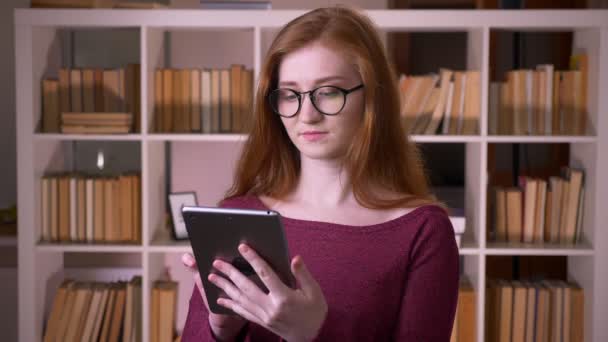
x: 380, y: 156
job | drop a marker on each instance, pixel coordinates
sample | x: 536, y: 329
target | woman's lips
x: 313, y: 135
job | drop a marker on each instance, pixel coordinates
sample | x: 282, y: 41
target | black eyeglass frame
x: 300, y: 95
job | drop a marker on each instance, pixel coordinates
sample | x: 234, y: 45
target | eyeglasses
x: 328, y: 100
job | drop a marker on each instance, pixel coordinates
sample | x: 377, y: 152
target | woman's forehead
x: 313, y: 62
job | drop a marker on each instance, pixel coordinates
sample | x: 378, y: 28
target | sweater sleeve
x: 429, y: 300
x: 197, y: 323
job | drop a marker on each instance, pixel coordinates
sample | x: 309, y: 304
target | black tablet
x: 215, y: 233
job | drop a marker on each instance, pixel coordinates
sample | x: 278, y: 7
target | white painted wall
x: 8, y: 165
x: 8, y: 160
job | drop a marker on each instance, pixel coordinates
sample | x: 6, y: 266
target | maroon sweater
x: 392, y: 281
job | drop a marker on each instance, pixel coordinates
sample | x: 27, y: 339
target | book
x: 50, y: 106
x: 167, y: 104
x: 466, y: 313
x: 64, y: 93
x: 226, y: 114
x: 513, y: 198
x: 501, y: 215
x: 88, y: 90
x: 45, y: 208
x: 195, y: 101
x: 236, y: 99
x: 76, y: 90
x: 74, y: 129
x: 57, y: 308
x: 472, y: 103
x: 444, y: 87
x: 206, y: 104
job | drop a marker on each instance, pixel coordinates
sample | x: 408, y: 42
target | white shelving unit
x: 40, y: 263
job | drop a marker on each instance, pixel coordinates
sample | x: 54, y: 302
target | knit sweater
x: 392, y: 281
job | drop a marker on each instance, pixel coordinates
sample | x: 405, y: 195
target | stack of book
x: 541, y: 101
x: 539, y: 211
x: 96, y: 123
x: 448, y: 103
x: 84, y: 92
x: 464, y: 329
x: 78, y: 208
x: 164, y: 299
x: 549, y: 310
x: 85, y: 311
x: 203, y: 101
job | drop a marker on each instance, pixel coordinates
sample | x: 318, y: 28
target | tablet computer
x: 215, y: 233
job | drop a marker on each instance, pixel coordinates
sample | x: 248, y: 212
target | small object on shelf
x: 177, y: 200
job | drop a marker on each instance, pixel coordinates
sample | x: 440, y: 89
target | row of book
x: 448, y: 103
x: 544, y: 311
x: 464, y: 329
x: 203, y: 101
x: 164, y: 301
x: 539, y: 210
x: 541, y: 101
x: 80, y: 208
x: 95, y: 311
x: 90, y: 91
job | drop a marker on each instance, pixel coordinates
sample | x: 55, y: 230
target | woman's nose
x: 308, y: 112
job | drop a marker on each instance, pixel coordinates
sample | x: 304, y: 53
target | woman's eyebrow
x: 317, y: 81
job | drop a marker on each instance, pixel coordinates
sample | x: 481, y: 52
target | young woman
x: 375, y: 255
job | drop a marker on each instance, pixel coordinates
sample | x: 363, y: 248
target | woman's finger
x: 237, y: 295
x: 267, y: 275
x: 239, y: 310
x: 189, y: 261
x: 307, y: 282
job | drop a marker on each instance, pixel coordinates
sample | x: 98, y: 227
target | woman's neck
x: 323, y: 183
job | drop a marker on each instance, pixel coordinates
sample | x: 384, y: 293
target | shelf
x: 540, y: 139
x: 197, y: 137
x: 87, y: 248
x: 389, y: 20
x: 468, y: 246
x: 71, y: 137
x: 503, y: 248
x: 445, y: 138
x: 242, y: 137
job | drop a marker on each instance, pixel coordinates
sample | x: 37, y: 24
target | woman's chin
x: 320, y: 152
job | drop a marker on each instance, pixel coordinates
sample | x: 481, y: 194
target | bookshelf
x: 41, y: 263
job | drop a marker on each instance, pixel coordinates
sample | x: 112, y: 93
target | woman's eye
x: 287, y: 97
x: 328, y: 93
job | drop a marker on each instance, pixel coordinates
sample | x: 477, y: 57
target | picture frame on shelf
x: 177, y: 200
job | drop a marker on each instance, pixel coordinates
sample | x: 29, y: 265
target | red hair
x: 381, y: 156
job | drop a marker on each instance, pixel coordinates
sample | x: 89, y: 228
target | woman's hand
x: 224, y: 327
x: 295, y: 315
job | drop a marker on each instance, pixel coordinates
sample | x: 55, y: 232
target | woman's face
x: 319, y: 136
